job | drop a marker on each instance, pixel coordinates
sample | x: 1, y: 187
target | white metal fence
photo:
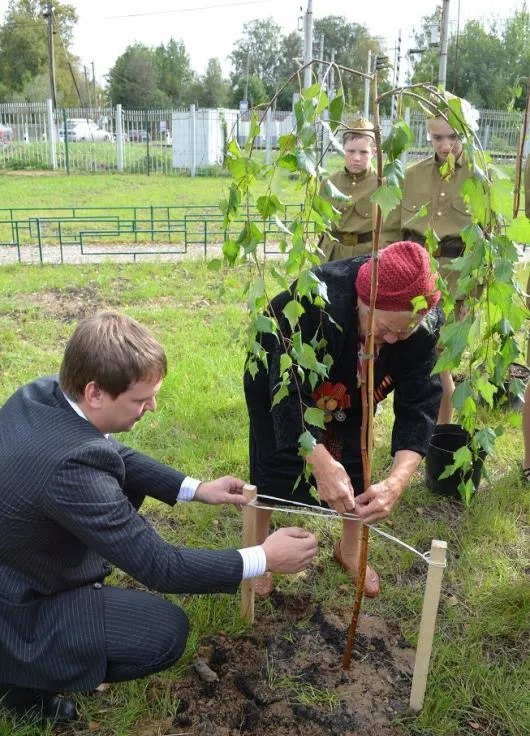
x: 33, y: 136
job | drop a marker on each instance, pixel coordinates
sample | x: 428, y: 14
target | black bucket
x: 504, y: 397
x: 445, y: 440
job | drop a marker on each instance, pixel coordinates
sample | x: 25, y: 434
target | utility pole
x: 308, y: 43
x: 332, y: 76
x: 246, y: 75
x: 87, y: 87
x: 397, y: 61
x: 48, y: 14
x: 321, y: 55
x: 367, y: 86
x: 94, y: 85
x: 444, y: 42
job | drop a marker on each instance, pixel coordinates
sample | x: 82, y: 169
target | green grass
x: 480, y: 672
x: 56, y: 189
x: 47, y: 190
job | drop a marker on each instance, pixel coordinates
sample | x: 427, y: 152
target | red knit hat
x: 404, y: 273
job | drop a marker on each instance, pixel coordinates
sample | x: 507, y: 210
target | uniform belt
x: 448, y: 247
x: 451, y: 248
x: 352, y: 239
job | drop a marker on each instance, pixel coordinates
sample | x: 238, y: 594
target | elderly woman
x: 405, y: 355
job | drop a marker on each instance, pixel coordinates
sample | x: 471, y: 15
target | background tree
x: 270, y: 57
x: 257, y: 54
x: 24, y: 52
x: 174, y: 74
x: 145, y: 77
x: 290, y: 50
x: 132, y: 79
x: 516, y: 37
x: 485, y: 64
x: 351, y: 43
x: 211, y: 90
x: 424, y: 57
x: 252, y: 88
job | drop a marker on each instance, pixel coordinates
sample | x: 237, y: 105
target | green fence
x: 78, y: 234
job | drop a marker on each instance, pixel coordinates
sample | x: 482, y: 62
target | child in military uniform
x: 446, y: 214
x: 352, y: 235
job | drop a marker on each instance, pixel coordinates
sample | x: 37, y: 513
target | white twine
x: 325, y: 513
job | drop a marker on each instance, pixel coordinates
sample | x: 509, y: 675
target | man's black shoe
x: 28, y: 703
x: 59, y: 709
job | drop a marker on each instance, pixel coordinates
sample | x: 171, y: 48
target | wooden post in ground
x: 249, y: 540
x: 427, y: 624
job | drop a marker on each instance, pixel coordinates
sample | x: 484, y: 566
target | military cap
x: 361, y: 126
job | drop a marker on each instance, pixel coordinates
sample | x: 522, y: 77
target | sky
x: 210, y: 28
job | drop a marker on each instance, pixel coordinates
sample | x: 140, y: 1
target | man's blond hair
x: 114, y: 351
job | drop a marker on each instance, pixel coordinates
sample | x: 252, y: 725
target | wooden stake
x: 427, y: 624
x: 249, y: 540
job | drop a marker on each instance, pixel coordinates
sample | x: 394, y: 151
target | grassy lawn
x: 47, y: 190
x: 480, y: 672
x: 37, y: 189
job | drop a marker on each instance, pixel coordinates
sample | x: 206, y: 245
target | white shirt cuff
x: 254, y: 561
x: 188, y: 488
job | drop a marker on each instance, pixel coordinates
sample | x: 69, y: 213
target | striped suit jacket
x: 68, y: 512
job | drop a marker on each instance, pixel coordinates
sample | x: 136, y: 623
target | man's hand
x: 289, y: 549
x: 333, y: 482
x: 223, y: 490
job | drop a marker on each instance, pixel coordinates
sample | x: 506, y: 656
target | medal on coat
x: 332, y: 398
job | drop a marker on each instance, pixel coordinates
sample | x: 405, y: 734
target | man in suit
x: 69, y: 500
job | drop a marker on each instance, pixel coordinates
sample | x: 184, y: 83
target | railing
x: 173, y: 141
x: 80, y: 234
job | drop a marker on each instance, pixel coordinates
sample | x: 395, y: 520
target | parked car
x: 140, y: 136
x: 84, y: 130
x: 6, y: 133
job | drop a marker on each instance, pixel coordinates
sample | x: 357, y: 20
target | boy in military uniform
x: 446, y: 214
x: 352, y: 235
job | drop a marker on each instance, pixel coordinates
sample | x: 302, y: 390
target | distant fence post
x: 119, y: 137
x: 486, y: 141
x: 147, y: 152
x: 51, y: 134
x: 193, y: 136
x: 66, y: 143
x: 404, y: 156
x: 268, y: 134
x: 325, y: 137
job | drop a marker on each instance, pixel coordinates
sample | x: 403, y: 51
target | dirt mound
x: 285, y: 678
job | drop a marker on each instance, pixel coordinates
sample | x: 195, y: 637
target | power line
x: 30, y: 22
x: 187, y: 10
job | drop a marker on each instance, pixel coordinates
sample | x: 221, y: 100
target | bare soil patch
x: 285, y: 677
x: 71, y: 303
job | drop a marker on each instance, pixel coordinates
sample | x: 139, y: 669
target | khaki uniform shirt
x: 447, y: 213
x: 356, y: 214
